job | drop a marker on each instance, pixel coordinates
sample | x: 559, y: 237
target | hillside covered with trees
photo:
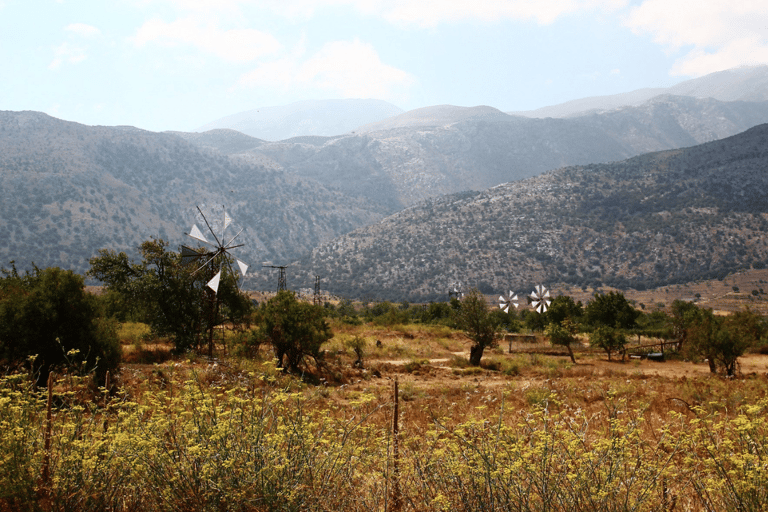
x: 655, y: 219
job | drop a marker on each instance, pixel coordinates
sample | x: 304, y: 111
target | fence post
x: 395, y: 503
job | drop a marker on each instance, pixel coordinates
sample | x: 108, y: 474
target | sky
x: 179, y: 64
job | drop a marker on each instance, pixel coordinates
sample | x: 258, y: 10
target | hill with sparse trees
x: 666, y: 217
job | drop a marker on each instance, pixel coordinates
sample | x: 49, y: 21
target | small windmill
x: 506, y: 302
x: 218, y: 254
x: 455, y: 291
x: 214, y: 257
x: 540, y: 299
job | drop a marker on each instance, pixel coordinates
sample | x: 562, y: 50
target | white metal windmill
x: 540, y: 299
x: 506, y: 302
x: 455, y: 291
x: 214, y: 258
x: 218, y: 254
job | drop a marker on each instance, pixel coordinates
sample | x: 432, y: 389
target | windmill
x: 540, y: 299
x: 455, y: 291
x: 506, y: 302
x: 215, y: 256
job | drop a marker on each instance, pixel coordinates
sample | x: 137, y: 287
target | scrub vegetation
x: 539, y: 421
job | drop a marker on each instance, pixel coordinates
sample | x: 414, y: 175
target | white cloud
x: 349, y: 69
x: 235, y: 45
x: 66, y: 52
x: 83, y: 30
x: 717, y: 34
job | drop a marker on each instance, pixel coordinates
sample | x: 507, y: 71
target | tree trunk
x: 712, y: 366
x: 475, y: 354
x: 570, y: 353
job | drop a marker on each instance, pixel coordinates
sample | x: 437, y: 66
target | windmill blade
x: 189, y: 255
x: 228, y: 246
x: 227, y: 222
x: 540, y: 299
x: 198, y: 235
x: 243, y: 267
x: 218, y: 243
x: 213, y: 284
x: 231, y: 271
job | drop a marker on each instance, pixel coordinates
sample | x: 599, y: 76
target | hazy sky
x: 178, y: 64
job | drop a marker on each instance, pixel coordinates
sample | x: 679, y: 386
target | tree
x: 563, y: 334
x: 721, y: 340
x: 294, y: 329
x: 48, y: 314
x: 611, y: 309
x: 609, y: 339
x: 164, y: 294
x: 562, y: 307
x: 473, y: 317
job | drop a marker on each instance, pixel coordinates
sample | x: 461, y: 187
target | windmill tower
x: 281, y: 278
x: 213, y: 258
x: 316, y: 299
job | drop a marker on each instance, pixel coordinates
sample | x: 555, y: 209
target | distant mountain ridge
x: 738, y: 84
x: 318, y: 117
x: 655, y: 219
x: 68, y: 190
x: 440, y: 150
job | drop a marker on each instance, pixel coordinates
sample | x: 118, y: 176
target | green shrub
x: 48, y: 314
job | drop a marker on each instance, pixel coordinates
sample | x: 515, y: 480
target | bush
x: 294, y: 329
x: 48, y: 314
x: 608, y: 339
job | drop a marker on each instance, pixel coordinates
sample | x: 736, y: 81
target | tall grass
x: 197, y: 445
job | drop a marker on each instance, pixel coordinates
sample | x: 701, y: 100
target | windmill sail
x: 243, y: 267
x: 189, y: 255
x: 197, y: 234
x: 213, y: 284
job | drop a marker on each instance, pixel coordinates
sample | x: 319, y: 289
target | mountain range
x: 329, y: 117
x: 660, y: 218
x: 748, y: 83
x: 69, y: 190
x: 441, y: 150
x: 317, y: 202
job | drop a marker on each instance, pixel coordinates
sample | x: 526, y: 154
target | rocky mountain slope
x: 666, y: 217
x: 68, y: 190
x: 445, y: 149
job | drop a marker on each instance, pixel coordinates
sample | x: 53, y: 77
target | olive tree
x: 609, y: 339
x: 611, y: 309
x: 295, y: 329
x: 473, y: 317
x: 719, y: 340
x: 563, y: 334
x: 165, y: 294
x: 48, y: 315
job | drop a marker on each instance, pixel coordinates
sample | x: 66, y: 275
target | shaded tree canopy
x: 48, y: 314
x: 721, y: 340
x: 611, y: 309
x: 295, y: 329
x: 477, y: 322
